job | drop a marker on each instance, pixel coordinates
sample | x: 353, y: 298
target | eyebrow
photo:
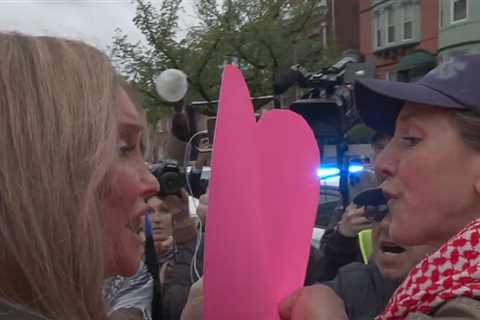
x: 413, y: 121
x: 414, y: 118
x: 409, y: 116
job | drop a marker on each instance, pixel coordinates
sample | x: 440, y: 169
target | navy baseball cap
x: 454, y: 84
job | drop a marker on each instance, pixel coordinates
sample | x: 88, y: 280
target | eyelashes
x: 411, y: 141
x: 125, y: 148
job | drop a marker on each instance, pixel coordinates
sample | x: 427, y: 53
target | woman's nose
x: 385, y: 164
x: 150, y: 184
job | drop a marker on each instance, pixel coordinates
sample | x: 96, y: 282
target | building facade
x: 459, y: 27
x: 336, y: 23
x: 345, y: 21
x: 399, y: 36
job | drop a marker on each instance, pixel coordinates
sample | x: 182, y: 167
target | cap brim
x: 379, y: 101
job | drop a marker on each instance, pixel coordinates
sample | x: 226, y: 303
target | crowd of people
x: 87, y: 234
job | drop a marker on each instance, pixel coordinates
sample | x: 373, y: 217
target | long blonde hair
x: 57, y: 131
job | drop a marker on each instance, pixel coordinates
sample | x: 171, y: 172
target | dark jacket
x: 335, y: 252
x: 199, y: 186
x: 363, y: 289
x: 179, y: 275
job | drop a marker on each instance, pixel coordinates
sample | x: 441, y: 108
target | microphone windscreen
x: 172, y: 85
x: 286, y: 80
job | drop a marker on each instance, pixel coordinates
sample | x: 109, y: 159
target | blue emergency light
x: 330, y: 172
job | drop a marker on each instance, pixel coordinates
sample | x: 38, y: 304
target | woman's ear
x: 476, y: 177
x: 476, y: 185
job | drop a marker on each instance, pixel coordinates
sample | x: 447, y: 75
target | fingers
x: 193, y: 310
x: 358, y: 224
x: 204, y: 199
x: 197, y: 288
x: 194, y: 307
x: 312, y: 303
x: 353, y: 221
x: 202, y: 158
x: 172, y: 201
x: 175, y: 204
x: 359, y: 221
x: 363, y: 227
x: 168, y: 242
x: 286, y: 306
x: 184, y: 195
x: 354, y: 211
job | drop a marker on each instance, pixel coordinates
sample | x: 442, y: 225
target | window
x: 391, y: 76
x: 390, y: 16
x: 456, y: 53
x: 440, y: 15
x: 407, y: 23
x: 459, y: 10
x: 378, y: 31
x: 324, y: 34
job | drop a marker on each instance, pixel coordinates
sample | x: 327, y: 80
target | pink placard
x: 262, y: 203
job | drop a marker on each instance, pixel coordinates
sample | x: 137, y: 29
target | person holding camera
x: 365, y: 289
x: 185, y: 265
x: 198, y: 185
x: 362, y: 289
x: 159, y: 290
x: 179, y: 273
x: 340, y: 244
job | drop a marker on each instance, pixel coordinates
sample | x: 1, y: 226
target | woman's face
x: 127, y: 185
x: 395, y: 261
x: 432, y: 177
x: 162, y: 226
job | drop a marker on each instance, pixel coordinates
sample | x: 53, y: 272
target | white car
x: 330, y: 200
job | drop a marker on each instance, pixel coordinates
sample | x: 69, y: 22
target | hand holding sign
x: 262, y: 204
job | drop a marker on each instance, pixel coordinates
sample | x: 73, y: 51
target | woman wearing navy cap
x: 432, y: 180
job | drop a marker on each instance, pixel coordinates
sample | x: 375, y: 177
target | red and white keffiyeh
x: 452, y: 271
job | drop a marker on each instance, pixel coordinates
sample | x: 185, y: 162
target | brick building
x: 345, y: 23
x: 399, y: 36
x: 329, y: 25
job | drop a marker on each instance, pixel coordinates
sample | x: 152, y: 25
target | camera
x: 374, y: 202
x: 170, y: 176
x: 328, y: 105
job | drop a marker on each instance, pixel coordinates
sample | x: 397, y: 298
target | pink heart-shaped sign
x: 262, y: 203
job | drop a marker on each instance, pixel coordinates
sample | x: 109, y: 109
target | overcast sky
x: 93, y: 21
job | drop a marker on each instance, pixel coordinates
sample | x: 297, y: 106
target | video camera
x: 374, y: 202
x: 328, y: 105
x: 170, y: 176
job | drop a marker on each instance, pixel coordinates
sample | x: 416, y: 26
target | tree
x: 262, y: 37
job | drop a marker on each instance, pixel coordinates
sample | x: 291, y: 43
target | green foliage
x: 359, y: 134
x: 262, y: 37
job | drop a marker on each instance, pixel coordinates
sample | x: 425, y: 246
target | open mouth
x: 391, y: 248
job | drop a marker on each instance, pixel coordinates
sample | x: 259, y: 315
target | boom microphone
x: 288, y: 78
x: 171, y: 85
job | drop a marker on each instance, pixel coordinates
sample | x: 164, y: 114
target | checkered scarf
x: 452, y: 271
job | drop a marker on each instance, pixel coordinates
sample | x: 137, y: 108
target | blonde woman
x: 73, y: 182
